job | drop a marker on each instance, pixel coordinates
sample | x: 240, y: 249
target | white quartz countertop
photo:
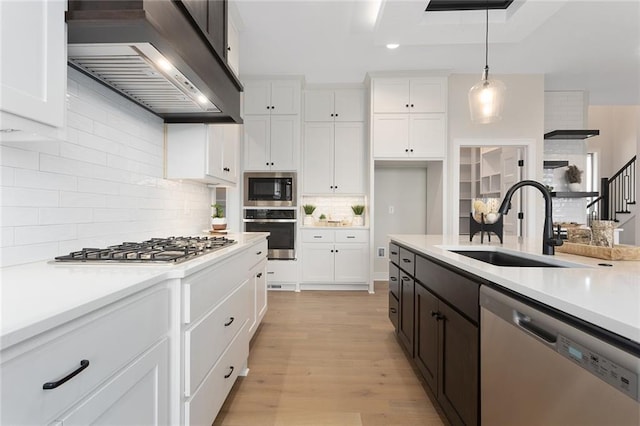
x: 606, y: 296
x: 39, y: 296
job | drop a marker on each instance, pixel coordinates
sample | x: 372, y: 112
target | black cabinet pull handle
x: 272, y: 107
x: 331, y: 115
x: 335, y: 187
x: 268, y: 107
x: 336, y: 115
x: 317, y: 236
x: 411, y: 150
x: 336, y: 251
x: 272, y: 164
x: 229, y: 48
x: 259, y: 274
x: 395, y: 253
x: 406, y: 105
x: 405, y: 278
x: 406, y: 150
x: 52, y: 385
x: 351, y: 236
x: 405, y: 260
x: 231, y: 320
x: 267, y: 164
x: 393, y: 310
x: 270, y: 272
x: 331, y: 251
x: 411, y: 105
x: 226, y: 376
x: 437, y: 315
x: 259, y: 253
x: 393, y: 278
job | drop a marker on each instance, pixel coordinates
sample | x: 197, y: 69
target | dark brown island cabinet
x: 436, y: 315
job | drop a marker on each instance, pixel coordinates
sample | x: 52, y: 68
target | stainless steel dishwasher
x: 538, y: 369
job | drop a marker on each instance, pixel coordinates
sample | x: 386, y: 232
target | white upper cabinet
x: 334, y: 105
x: 233, y: 45
x: 333, y: 158
x: 273, y: 97
x: 409, y: 95
x: 203, y: 152
x: 271, y: 142
x: 409, y: 118
x: 34, y: 60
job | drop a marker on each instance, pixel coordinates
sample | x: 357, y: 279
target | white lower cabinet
x: 258, y: 280
x: 335, y: 257
x: 124, y: 351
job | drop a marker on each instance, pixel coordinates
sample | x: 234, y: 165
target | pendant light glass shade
x: 486, y: 98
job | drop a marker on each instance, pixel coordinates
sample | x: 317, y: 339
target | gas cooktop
x: 155, y: 250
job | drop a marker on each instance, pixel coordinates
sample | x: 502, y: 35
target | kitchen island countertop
x: 38, y: 296
x: 606, y: 296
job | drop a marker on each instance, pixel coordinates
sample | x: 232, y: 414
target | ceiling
x: 591, y: 45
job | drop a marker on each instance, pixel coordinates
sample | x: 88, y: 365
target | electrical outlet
x: 381, y: 252
x: 392, y: 210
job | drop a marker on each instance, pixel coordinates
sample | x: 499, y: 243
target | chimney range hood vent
x: 571, y: 134
x: 153, y: 53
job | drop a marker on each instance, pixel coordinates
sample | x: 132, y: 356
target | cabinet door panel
x: 349, y: 158
x: 394, y: 280
x: 317, y: 262
x: 215, y: 151
x: 231, y: 141
x: 390, y: 95
x: 426, y: 333
x: 318, y: 105
x: 285, y: 97
x: 351, y: 263
x: 428, y: 95
x: 257, y: 97
x: 34, y: 60
x: 349, y: 105
x: 256, y: 142
x: 139, y: 395
x: 427, y: 135
x: 285, y: 139
x: 261, y: 291
x: 458, y: 379
x: 405, y: 326
x: 318, y: 158
x: 390, y: 135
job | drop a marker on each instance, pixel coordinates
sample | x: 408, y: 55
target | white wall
x: 101, y: 185
x: 522, y: 119
x: 405, y: 189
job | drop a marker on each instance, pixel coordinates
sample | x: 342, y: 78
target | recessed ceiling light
x: 392, y: 46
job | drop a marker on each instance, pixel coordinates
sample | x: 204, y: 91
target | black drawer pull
x: 395, y: 253
x: 317, y: 236
x: 259, y: 274
x: 270, y: 272
x: 405, y: 260
x: 351, y: 236
x: 231, y: 319
x: 259, y: 253
x: 406, y: 278
x: 52, y: 385
x: 393, y: 278
x: 437, y: 315
x: 393, y: 310
x: 226, y: 376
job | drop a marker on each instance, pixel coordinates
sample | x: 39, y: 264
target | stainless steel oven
x: 270, y: 189
x: 281, y: 223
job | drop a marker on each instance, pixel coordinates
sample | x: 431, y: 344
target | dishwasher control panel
x: 617, y: 376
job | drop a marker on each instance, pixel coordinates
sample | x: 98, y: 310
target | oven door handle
x: 269, y: 220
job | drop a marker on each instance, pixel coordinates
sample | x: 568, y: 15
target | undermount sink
x: 504, y: 259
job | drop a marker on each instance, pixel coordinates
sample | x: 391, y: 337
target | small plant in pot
x: 308, y: 212
x: 218, y: 221
x: 358, y: 211
x: 574, y: 177
x: 323, y: 220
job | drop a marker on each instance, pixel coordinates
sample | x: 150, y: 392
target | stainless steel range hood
x: 571, y: 134
x: 152, y: 53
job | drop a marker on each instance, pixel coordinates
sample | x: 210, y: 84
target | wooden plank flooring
x: 328, y: 358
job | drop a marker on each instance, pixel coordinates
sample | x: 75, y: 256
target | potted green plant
x: 574, y: 177
x: 323, y: 219
x: 358, y: 211
x: 218, y: 221
x: 308, y: 214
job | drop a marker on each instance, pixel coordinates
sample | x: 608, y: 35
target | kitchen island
x: 443, y: 303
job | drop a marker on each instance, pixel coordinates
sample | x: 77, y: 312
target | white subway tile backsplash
x: 44, y: 180
x: 86, y: 108
x: 6, y: 236
x: 82, y: 199
x: 98, y: 142
x: 98, y: 186
x: 78, y: 121
x: 7, y: 176
x: 29, y: 197
x: 44, y: 234
x: 18, y: 216
x: 28, y: 253
x: 72, y: 167
x: 19, y: 158
x: 81, y: 153
x: 115, y: 215
x: 60, y: 215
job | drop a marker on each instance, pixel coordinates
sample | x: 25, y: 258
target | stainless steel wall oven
x: 281, y: 223
x: 270, y: 189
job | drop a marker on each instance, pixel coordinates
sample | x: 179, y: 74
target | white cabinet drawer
x: 352, y: 236
x: 282, y: 271
x: 206, y: 340
x: 317, y: 236
x: 113, y: 337
x: 203, y: 407
x: 259, y: 252
x: 207, y: 288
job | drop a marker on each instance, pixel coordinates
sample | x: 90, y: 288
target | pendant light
x: 486, y: 98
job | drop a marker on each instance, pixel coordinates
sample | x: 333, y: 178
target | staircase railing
x: 616, y: 194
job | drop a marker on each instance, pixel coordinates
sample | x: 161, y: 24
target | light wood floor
x: 328, y: 358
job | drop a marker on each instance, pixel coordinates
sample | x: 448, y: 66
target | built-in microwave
x: 270, y: 189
